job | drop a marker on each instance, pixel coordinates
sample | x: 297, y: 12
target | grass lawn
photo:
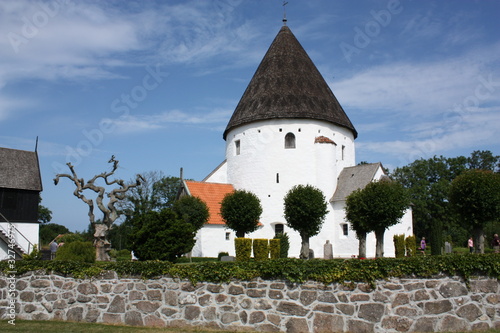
x: 70, y: 327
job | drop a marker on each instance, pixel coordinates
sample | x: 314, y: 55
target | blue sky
x: 155, y: 82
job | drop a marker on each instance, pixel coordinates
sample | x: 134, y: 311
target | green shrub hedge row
x: 293, y: 270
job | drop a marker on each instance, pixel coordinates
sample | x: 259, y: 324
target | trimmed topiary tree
x: 305, y: 210
x: 241, y: 212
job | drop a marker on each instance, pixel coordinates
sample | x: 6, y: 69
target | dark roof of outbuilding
x: 354, y: 178
x: 19, y: 169
x: 287, y: 84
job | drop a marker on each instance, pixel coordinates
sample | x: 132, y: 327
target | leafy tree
x: 155, y: 193
x: 428, y: 182
x: 162, y: 236
x: 484, y: 160
x: 192, y: 210
x: 475, y: 196
x: 360, y: 223
x: 44, y: 214
x: 50, y: 231
x: 305, y: 209
x: 241, y: 212
x: 376, y: 207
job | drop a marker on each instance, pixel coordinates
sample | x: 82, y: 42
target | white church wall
x: 219, y: 175
x: 260, y: 163
x: 213, y: 239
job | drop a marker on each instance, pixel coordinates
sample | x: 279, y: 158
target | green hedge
x: 261, y: 249
x: 275, y: 248
x: 399, y: 245
x: 293, y: 270
x: 243, y: 248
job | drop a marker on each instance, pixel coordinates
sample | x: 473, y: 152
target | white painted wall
x: 211, y: 240
x: 24, y: 234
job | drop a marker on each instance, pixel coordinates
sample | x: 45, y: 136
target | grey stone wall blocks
x: 396, y: 305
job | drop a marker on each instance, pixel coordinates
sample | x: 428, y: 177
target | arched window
x: 289, y: 141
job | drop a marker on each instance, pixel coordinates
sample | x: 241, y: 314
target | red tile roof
x: 323, y: 139
x: 212, y: 194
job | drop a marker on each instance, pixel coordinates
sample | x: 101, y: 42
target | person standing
x: 53, y: 249
x: 470, y: 244
x: 423, y: 245
x: 495, y: 242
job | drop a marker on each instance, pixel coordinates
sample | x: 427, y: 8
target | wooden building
x: 20, y: 187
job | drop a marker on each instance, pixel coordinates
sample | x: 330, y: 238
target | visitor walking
x: 53, y: 249
x: 495, y: 242
x: 470, y: 244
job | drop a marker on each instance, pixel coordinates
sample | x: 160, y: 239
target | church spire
x: 287, y: 85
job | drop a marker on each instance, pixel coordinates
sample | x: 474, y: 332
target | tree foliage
x: 44, y: 214
x: 155, y: 193
x: 475, y: 196
x: 162, y: 236
x: 428, y: 182
x: 241, y: 212
x: 376, y: 207
x: 50, y: 231
x: 193, y: 210
x: 305, y: 209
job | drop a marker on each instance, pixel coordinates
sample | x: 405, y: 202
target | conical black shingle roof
x: 287, y: 84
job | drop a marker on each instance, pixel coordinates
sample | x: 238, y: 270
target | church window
x: 343, y: 151
x: 289, y: 141
x: 345, y: 229
x: 237, y: 146
x: 278, y: 229
x: 228, y: 234
x: 277, y: 178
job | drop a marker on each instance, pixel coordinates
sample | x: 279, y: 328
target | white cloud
x: 431, y: 107
x: 141, y: 123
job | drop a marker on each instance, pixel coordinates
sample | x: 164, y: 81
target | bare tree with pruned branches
x: 110, y: 212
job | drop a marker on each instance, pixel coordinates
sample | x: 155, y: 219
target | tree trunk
x: 304, y: 250
x: 379, y: 249
x: 362, y: 245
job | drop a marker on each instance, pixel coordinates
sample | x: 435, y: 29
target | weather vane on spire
x: 284, y: 11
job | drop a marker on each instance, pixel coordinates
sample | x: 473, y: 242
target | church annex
x: 289, y: 129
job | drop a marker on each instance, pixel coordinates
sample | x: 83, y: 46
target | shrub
x: 243, y: 247
x: 284, y: 244
x: 260, y: 249
x: 76, y: 251
x: 120, y: 255
x: 34, y: 255
x: 411, y: 245
x: 274, y: 248
x: 399, y: 245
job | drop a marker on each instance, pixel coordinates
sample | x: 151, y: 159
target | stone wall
x: 396, y: 305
